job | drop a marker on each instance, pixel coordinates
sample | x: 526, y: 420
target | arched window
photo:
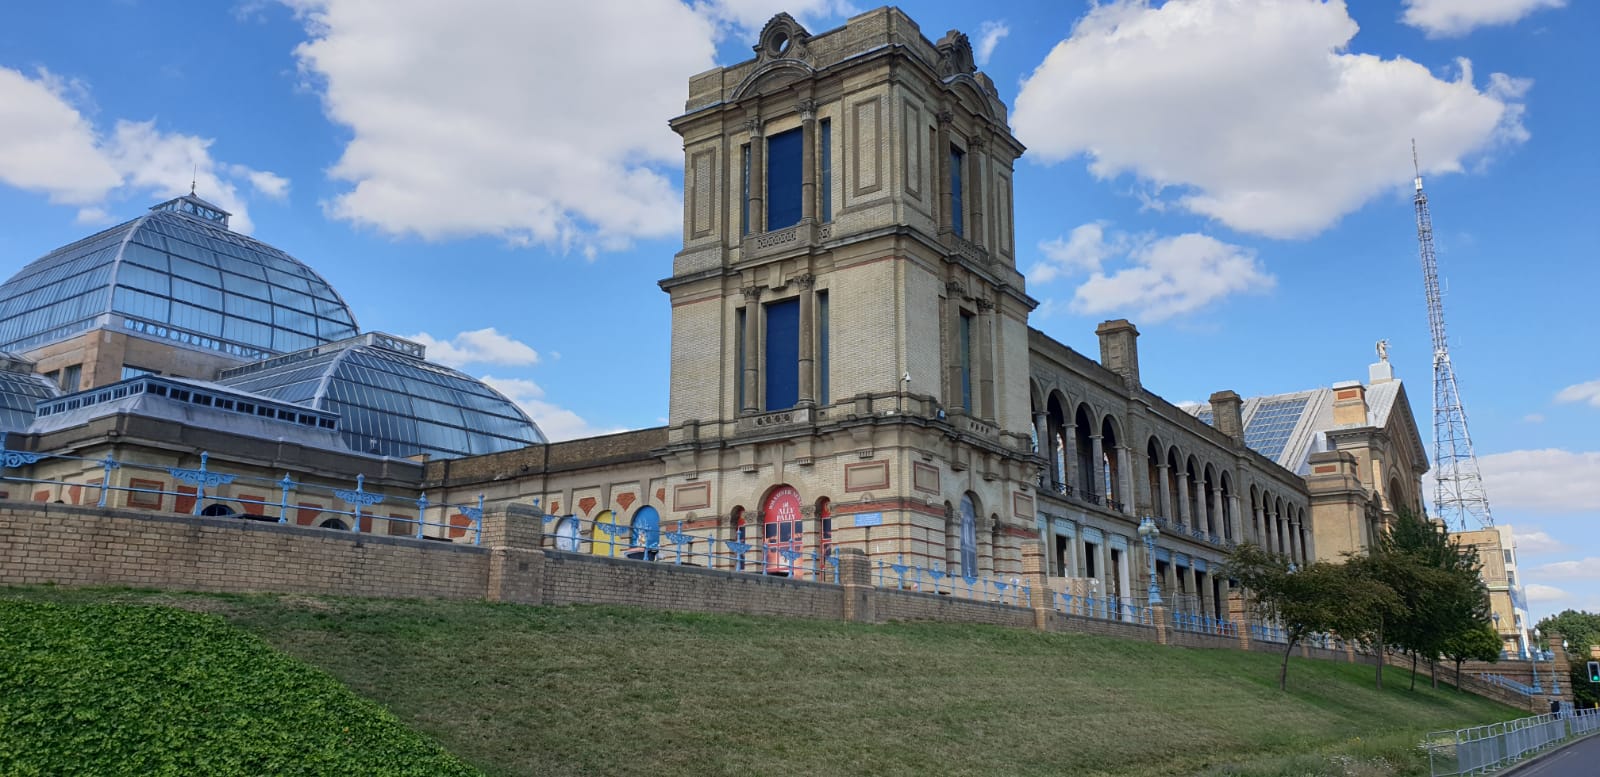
x: 566, y: 534
x: 335, y: 524
x: 644, y: 539
x: 610, y: 536
x: 969, y: 537
x: 736, y: 532
x: 218, y: 510
x: 824, y: 533
x: 780, y: 518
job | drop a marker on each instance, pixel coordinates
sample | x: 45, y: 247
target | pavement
x: 1579, y: 759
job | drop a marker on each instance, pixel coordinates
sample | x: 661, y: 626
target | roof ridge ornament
x: 782, y: 38
x: 955, y: 55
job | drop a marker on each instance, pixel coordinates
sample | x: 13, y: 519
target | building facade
x: 852, y: 366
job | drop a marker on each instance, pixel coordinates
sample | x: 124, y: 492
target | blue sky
x: 497, y: 179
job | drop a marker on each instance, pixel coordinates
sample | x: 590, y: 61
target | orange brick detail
x: 626, y: 500
x: 307, y: 514
x: 248, y: 504
x: 458, y: 526
x: 186, y: 495
x: 1325, y: 468
x: 586, y: 504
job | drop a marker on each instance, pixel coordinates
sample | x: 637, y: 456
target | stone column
x: 1097, y: 465
x: 954, y: 292
x: 752, y: 353
x: 1125, y: 479
x: 983, y: 343
x: 1166, y: 490
x: 1214, y: 525
x: 758, y: 177
x: 1034, y: 574
x: 808, y: 165
x: 976, y: 172
x: 1294, y: 543
x: 1070, y: 432
x: 1041, y: 431
x: 941, y: 153
x: 1202, y: 583
x: 1183, y: 498
x: 1234, y: 506
x: 808, y: 380
x: 1239, y: 615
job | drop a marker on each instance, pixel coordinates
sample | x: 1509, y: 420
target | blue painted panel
x: 869, y: 519
x: 1091, y: 534
x: 1162, y: 554
x: 783, y: 179
x: 646, y: 529
x: 1199, y: 565
x: 1064, y: 527
x: 783, y: 354
x: 1119, y: 541
x: 1180, y: 559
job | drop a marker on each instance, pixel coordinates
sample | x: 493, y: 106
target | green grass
x: 593, y: 690
x: 113, y: 690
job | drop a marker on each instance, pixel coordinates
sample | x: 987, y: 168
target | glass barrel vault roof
x: 20, y: 392
x: 176, y: 274
x: 1269, y: 428
x: 392, y: 403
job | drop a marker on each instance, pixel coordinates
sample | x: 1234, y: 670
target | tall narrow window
x: 71, y: 376
x: 783, y: 179
x: 782, y: 366
x: 966, y: 361
x: 822, y: 347
x: 826, y: 134
x: 957, y: 223
x: 738, y: 357
x: 969, y: 538
x: 744, y: 190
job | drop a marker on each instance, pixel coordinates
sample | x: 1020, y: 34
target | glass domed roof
x: 180, y: 274
x: 20, y: 390
x: 390, y: 400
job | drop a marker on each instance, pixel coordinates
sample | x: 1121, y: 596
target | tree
x: 1581, y: 630
x: 1479, y: 644
x: 1437, y: 582
x: 1372, y: 605
x: 1303, y: 602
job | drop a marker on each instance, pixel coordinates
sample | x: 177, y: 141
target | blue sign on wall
x: 869, y: 519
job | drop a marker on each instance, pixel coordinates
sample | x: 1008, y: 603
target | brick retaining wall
x: 575, y: 578
x: 71, y: 545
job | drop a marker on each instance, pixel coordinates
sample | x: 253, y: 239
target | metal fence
x: 1484, y: 749
x: 206, y: 491
x: 1507, y: 683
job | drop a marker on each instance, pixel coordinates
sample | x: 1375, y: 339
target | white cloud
x: 48, y: 145
x: 1587, y: 393
x: 1545, y: 593
x: 507, y: 121
x: 1158, y: 278
x: 557, y: 423
x: 989, y: 35
x: 1084, y: 250
x: 1533, y: 418
x: 1451, y: 18
x: 1583, y: 569
x: 1254, y: 112
x: 1538, y: 543
x: 479, y: 346
x: 747, y: 17
x: 1544, y: 481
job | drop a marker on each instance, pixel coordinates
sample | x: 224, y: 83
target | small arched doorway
x: 610, y: 538
x: 566, y: 534
x: 644, y: 540
x: 781, y: 521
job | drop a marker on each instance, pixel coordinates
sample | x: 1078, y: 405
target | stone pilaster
x: 855, y: 575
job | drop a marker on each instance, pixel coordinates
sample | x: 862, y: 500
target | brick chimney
x: 1226, y: 416
x: 1349, y: 404
x: 1119, y: 349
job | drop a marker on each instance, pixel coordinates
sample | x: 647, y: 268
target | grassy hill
x: 591, y: 690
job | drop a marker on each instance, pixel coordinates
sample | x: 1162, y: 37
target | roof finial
x: 194, y: 172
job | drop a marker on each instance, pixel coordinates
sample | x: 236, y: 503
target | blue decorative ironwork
x: 737, y: 548
x: 285, y: 485
x: 422, y: 511
x: 900, y: 568
x: 476, y: 516
x: 937, y: 574
x: 678, y: 539
x: 1148, y: 531
x: 358, y: 498
x: 107, y: 464
x: 201, y: 479
x: 14, y: 459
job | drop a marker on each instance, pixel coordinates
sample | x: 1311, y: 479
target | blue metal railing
x: 211, y: 492
x: 1484, y: 749
x: 641, y: 538
x: 1508, y: 684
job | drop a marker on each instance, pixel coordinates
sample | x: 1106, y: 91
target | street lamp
x: 1496, y: 617
x: 1148, y: 531
x: 1535, y: 662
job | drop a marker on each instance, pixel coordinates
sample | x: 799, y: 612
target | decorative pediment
x: 955, y: 55
x: 782, y: 38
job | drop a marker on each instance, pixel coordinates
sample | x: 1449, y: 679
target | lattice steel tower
x: 1459, y: 499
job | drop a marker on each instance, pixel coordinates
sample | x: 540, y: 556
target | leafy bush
x: 117, y: 689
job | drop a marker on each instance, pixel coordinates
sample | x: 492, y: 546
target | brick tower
x: 849, y: 329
